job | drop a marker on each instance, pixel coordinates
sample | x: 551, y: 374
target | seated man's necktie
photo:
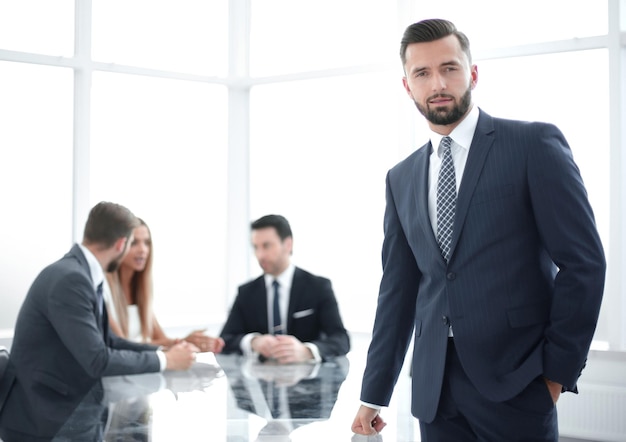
x: 278, y: 325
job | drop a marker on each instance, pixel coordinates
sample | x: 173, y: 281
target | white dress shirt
x: 462, y: 136
x: 97, y: 274
x: 134, y: 322
x: 285, y: 281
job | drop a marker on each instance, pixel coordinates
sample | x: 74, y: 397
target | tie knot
x: 446, y: 142
x: 275, y: 284
x: 99, y: 289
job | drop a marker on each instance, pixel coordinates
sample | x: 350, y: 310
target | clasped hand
x: 205, y: 342
x: 284, y: 349
x: 181, y: 356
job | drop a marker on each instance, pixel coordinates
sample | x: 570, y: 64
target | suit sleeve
x: 235, y: 327
x: 116, y: 342
x: 395, y: 312
x: 334, y: 340
x: 566, y: 224
x: 72, y: 314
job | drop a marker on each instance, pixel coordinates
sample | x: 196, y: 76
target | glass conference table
x: 233, y: 398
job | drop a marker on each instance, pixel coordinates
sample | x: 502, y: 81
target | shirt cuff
x: 162, y: 360
x: 314, y: 350
x: 374, y: 406
x: 246, y: 344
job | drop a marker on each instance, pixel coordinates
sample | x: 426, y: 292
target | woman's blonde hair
x: 141, y: 295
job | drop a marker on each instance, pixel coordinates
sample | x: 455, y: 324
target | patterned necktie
x: 278, y: 328
x: 446, y: 199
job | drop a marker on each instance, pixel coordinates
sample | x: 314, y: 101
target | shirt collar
x: 284, y: 279
x: 97, y: 274
x: 462, y: 134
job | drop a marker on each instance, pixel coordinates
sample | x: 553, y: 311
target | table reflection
x: 286, y: 396
x: 120, y: 408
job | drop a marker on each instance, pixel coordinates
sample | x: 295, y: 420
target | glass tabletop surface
x: 234, y: 398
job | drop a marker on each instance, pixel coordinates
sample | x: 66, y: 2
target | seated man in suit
x: 303, y: 311
x: 62, y: 344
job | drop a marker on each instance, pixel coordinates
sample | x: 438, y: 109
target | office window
x: 292, y: 36
x: 320, y: 150
x: 519, y: 23
x: 158, y: 146
x: 38, y: 26
x: 183, y: 36
x: 35, y: 176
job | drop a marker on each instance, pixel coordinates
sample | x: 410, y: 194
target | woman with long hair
x: 129, y: 299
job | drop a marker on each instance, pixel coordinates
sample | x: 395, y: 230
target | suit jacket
x: 524, y: 281
x: 61, y: 348
x: 313, y: 315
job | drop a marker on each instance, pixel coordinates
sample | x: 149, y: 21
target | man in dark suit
x: 503, y: 300
x: 301, y: 307
x: 62, y: 344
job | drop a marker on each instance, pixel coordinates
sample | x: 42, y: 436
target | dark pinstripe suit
x: 522, y: 213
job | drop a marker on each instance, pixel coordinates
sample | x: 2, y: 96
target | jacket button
x: 445, y: 320
x: 451, y: 276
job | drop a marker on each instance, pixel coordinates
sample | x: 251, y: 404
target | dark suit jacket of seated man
x: 311, y: 311
x: 62, y: 345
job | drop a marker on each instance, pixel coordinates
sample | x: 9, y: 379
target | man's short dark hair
x: 108, y: 222
x: 278, y: 222
x: 430, y: 30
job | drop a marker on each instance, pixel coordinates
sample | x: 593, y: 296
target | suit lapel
x: 481, y: 145
x: 260, y: 302
x: 419, y: 185
x: 297, y: 288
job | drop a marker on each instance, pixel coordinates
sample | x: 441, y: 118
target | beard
x: 442, y: 116
x: 115, y: 263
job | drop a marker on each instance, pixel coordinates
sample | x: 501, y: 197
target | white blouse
x: 134, y: 324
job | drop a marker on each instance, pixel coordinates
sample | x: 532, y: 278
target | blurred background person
x: 129, y: 299
x: 287, y: 314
